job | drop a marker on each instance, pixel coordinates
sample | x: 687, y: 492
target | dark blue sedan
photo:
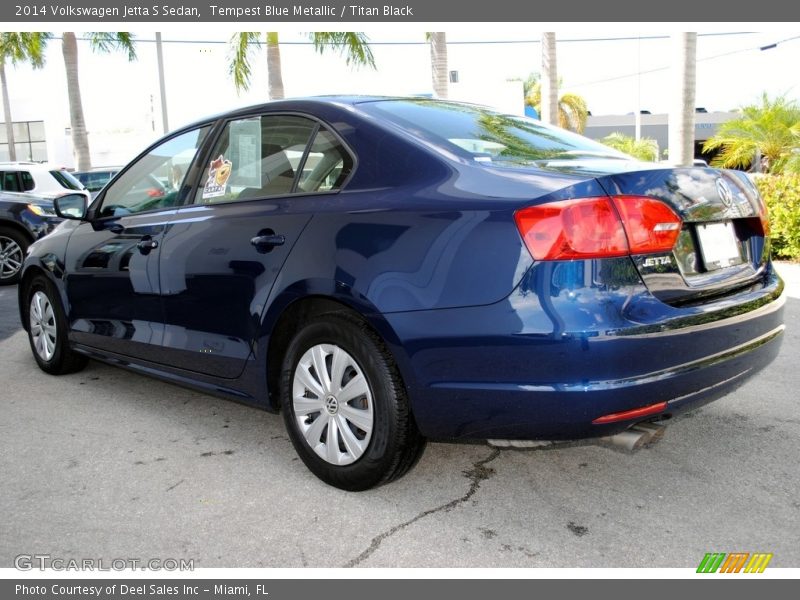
x: 387, y: 270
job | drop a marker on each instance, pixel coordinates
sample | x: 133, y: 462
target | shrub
x: 782, y: 195
x: 644, y: 149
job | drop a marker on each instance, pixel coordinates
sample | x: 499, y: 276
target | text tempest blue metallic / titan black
x: 387, y: 270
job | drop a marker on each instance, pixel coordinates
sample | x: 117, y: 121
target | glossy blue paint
x: 422, y: 243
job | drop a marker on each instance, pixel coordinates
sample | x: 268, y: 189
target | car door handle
x: 146, y: 244
x: 266, y: 242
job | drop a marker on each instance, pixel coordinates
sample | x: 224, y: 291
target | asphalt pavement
x: 109, y: 464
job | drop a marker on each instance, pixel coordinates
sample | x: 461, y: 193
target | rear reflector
x: 651, y: 225
x: 600, y: 227
x: 627, y: 415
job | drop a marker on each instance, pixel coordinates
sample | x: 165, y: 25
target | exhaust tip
x: 637, y: 437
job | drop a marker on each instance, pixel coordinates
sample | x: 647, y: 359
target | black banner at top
x: 465, y: 11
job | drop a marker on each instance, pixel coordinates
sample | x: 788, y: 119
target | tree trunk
x: 439, y: 74
x: 549, y: 80
x: 12, y: 150
x: 274, y: 66
x: 80, y: 138
x: 681, y: 118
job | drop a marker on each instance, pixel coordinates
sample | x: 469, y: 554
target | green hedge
x: 782, y: 195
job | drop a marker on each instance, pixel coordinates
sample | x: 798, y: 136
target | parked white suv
x: 38, y: 178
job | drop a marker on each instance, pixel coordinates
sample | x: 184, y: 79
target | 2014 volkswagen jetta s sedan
x: 387, y: 270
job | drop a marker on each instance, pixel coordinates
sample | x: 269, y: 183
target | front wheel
x: 345, y: 406
x: 13, y: 246
x: 47, y: 330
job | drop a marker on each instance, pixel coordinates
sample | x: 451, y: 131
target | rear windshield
x: 488, y: 136
x: 66, y: 180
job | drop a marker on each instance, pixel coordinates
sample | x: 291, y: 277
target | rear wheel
x: 345, y: 406
x: 13, y: 246
x: 47, y: 330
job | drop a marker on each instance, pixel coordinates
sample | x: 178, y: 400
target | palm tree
x: 771, y: 129
x: 439, y: 74
x: 353, y: 45
x: 571, y: 111
x: 17, y: 47
x: 644, y: 148
x: 681, y: 118
x: 100, y: 41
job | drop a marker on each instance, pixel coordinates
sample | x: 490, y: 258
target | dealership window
x: 29, y: 141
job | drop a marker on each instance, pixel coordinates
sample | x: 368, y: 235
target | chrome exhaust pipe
x: 638, y: 436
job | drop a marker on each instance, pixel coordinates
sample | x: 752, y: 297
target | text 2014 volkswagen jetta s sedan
x: 386, y: 270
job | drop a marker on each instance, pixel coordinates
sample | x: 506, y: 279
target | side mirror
x: 71, y: 206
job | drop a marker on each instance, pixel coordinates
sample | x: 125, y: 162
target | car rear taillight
x: 651, y: 225
x: 602, y: 227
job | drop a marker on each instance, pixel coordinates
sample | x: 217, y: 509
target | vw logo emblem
x: 724, y: 191
x: 331, y: 405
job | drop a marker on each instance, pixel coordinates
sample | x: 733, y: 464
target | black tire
x: 395, y: 444
x: 63, y: 360
x: 11, y: 236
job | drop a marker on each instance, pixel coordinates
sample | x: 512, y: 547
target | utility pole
x: 162, y: 86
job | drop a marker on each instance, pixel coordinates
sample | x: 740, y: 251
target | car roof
x: 302, y: 102
x: 29, y: 166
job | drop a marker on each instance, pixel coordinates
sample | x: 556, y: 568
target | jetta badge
x: 724, y: 191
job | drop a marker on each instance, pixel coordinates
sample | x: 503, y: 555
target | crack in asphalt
x: 477, y: 474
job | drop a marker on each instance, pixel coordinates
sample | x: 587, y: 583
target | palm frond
x: 108, y: 41
x: 771, y: 128
x: 23, y: 46
x: 352, y: 45
x: 239, y: 60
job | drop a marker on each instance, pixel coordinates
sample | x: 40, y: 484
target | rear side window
x: 27, y: 181
x: 327, y: 165
x: 487, y: 135
x: 256, y: 157
x: 95, y: 181
x: 66, y: 180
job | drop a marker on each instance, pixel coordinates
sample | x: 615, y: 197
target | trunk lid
x: 722, y: 245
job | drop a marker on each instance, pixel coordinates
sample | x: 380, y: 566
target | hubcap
x: 332, y: 404
x: 11, y: 257
x: 43, y: 326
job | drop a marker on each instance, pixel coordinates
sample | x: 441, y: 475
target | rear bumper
x: 550, y: 359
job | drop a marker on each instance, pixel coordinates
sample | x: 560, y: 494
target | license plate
x: 719, y: 245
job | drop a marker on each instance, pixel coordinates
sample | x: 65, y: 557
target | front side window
x: 156, y: 179
x: 256, y: 157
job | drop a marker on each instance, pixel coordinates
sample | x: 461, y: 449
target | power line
x: 455, y: 42
x: 664, y: 68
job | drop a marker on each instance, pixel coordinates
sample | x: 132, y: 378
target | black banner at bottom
x: 383, y: 589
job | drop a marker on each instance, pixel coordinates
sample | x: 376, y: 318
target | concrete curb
x: 790, y: 273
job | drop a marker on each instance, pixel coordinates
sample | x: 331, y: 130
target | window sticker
x: 218, y: 173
